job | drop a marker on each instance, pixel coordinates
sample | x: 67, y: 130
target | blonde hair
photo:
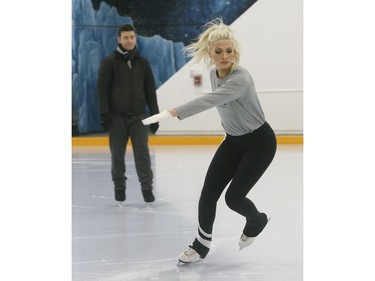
x: 214, y: 30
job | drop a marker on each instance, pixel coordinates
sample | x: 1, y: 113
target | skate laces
x: 190, y: 251
x: 244, y: 237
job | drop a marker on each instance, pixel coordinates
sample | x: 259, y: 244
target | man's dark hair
x: 125, y: 27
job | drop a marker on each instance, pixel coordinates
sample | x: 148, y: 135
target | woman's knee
x: 232, y: 200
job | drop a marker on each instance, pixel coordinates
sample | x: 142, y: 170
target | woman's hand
x: 157, y: 117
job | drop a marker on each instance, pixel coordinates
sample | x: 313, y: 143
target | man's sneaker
x: 120, y: 193
x: 252, y: 229
x: 190, y: 255
x: 148, y: 196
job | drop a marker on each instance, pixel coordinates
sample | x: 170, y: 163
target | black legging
x: 242, y: 160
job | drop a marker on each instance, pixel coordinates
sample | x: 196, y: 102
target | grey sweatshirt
x: 235, y: 99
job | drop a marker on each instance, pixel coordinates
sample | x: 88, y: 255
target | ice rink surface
x: 139, y: 241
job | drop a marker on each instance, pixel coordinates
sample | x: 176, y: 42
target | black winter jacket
x: 126, y: 90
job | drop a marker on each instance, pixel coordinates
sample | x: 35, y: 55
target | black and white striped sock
x: 204, y: 238
x: 202, y: 243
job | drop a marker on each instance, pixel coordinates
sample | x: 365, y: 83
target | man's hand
x: 154, y: 127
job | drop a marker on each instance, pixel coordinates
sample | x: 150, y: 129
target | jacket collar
x: 120, y: 52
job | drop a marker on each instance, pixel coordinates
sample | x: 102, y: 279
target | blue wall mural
x: 163, y: 28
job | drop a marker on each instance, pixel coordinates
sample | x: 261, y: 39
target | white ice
x: 139, y: 241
